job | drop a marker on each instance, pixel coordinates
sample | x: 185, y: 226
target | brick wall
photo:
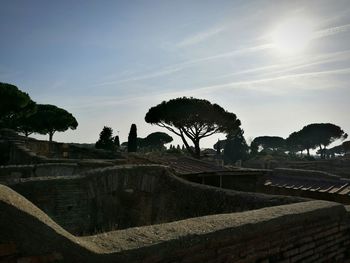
x: 122, y: 197
x: 312, y: 231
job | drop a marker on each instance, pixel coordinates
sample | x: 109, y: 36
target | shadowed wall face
x: 122, y: 197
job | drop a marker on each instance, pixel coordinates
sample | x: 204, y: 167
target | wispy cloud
x: 332, y: 31
x: 237, y: 84
x: 200, y: 37
x: 168, y: 70
x: 175, y: 68
x: 153, y: 74
x: 303, y: 62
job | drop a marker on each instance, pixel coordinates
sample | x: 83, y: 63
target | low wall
x: 11, y: 174
x: 23, y: 150
x: 127, y: 196
x: 339, y: 166
x: 313, y: 231
x: 248, y: 180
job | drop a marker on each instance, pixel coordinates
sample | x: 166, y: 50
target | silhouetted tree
x: 295, y: 143
x: 24, y: 121
x: 116, y: 141
x: 156, y: 140
x: 105, y: 141
x: 254, y: 148
x: 192, y: 118
x: 12, y: 101
x: 219, y: 145
x: 132, y: 139
x: 346, y: 146
x: 273, y: 143
x: 49, y: 119
x: 330, y: 153
x: 321, y: 135
x: 236, y: 147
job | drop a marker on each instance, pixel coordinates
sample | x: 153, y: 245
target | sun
x: 292, y: 36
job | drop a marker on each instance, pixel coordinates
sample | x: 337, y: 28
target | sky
x: 278, y: 65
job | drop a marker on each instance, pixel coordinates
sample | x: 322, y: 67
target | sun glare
x: 292, y: 36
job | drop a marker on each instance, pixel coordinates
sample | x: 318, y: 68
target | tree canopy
x: 132, y: 139
x: 321, y: 135
x: 49, y: 119
x: 106, y: 140
x: 315, y: 135
x: 12, y: 101
x: 156, y: 140
x: 236, y: 148
x: 193, y: 119
x: 273, y: 143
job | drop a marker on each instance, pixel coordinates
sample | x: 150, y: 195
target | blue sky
x: 108, y: 62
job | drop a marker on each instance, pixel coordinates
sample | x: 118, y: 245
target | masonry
x: 132, y: 195
x: 312, y: 231
x: 56, y: 208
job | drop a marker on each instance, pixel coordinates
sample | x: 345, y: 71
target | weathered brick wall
x: 122, y: 197
x: 313, y: 231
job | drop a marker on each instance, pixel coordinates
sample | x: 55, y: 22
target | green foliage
x: 322, y: 134
x: 315, y: 135
x: 294, y: 143
x: 132, y: 139
x: 254, y: 148
x: 193, y: 119
x: 236, y: 148
x: 12, y: 101
x: 105, y: 141
x: 49, y: 119
x: 219, y: 145
x: 24, y: 121
x: 116, y: 142
x: 155, y: 141
x: 272, y: 143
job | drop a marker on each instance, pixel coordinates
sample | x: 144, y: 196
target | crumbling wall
x: 121, y: 197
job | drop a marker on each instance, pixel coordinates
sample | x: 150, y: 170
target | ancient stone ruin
x: 60, y: 209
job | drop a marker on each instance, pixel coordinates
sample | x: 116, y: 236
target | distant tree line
x: 19, y: 112
x: 312, y: 136
x: 153, y: 142
x: 189, y: 118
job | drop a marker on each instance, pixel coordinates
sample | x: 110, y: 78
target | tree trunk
x: 197, y: 149
x: 188, y: 148
x: 50, y: 136
x: 308, y: 151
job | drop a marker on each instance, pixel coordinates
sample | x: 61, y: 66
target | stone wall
x: 128, y: 196
x: 338, y: 166
x: 248, y: 180
x: 10, y: 174
x: 18, y: 149
x: 313, y: 231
